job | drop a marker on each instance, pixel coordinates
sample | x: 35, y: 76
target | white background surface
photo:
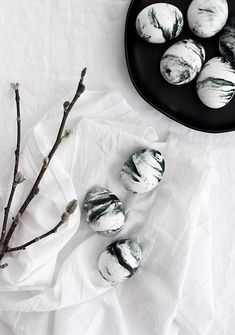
x: 44, y: 45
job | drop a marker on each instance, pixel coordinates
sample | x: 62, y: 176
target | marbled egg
x: 120, y: 261
x: 216, y: 83
x: 182, y: 62
x: 104, y: 212
x: 143, y: 171
x: 227, y: 41
x: 159, y: 22
x: 207, y: 17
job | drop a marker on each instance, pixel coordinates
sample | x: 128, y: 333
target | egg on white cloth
x: 207, y: 17
x: 104, y: 212
x: 120, y: 261
x: 143, y: 171
x: 159, y: 22
x: 182, y: 62
x: 216, y: 83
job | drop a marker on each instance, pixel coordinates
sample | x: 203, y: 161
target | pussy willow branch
x: 35, y: 188
x: 64, y: 217
x: 17, y: 156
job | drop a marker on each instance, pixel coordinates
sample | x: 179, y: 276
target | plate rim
x: 204, y: 130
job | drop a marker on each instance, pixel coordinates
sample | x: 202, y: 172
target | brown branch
x: 17, y: 177
x: 64, y: 217
x: 35, y: 188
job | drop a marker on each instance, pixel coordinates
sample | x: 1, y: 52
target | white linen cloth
x: 54, y: 285
x: 44, y: 44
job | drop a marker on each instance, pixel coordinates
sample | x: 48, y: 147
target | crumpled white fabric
x: 44, y: 45
x: 53, y: 287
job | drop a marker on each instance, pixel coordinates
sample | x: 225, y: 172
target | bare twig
x: 17, y: 176
x: 64, y: 217
x: 3, y: 266
x: 46, y: 161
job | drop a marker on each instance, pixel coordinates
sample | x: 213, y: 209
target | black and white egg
x: 104, y: 212
x: 120, y: 261
x: 159, y: 23
x: 182, y: 62
x: 227, y: 41
x: 216, y: 83
x: 143, y: 171
x: 207, y: 17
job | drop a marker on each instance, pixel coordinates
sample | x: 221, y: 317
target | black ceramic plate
x: 180, y: 103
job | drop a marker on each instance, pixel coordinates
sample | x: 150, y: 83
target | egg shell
x: 207, y: 17
x: 216, y: 83
x: 182, y: 62
x: 120, y: 261
x: 143, y: 171
x: 104, y: 212
x: 159, y: 22
x: 227, y: 41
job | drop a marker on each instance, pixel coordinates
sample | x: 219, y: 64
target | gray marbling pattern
x: 216, y: 83
x: 207, y: 17
x: 159, y: 23
x: 182, y: 62
x: 104, y: 212
x: 143, y: 171
x: 227, y: 41
x: 120, y: 261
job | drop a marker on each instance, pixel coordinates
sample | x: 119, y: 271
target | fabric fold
x: 169, y: 223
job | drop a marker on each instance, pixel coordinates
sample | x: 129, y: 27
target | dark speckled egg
x: 227, y: 41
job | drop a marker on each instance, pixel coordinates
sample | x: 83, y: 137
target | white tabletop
x: 44, y: 45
